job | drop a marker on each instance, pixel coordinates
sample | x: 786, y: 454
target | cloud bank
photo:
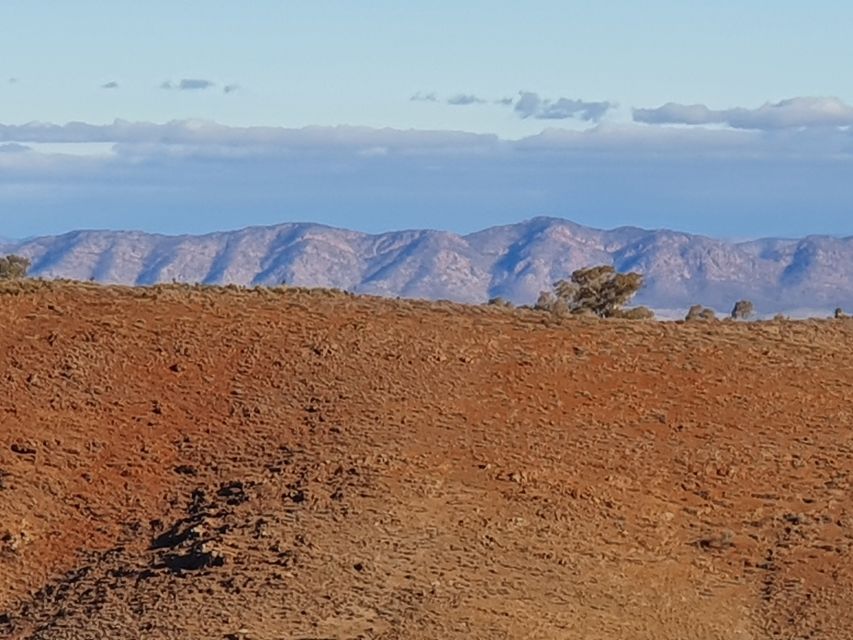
x: 14, y: 147
x: 787, y: 114
x: 607, y: 175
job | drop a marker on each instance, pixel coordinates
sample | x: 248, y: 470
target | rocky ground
x: 263, y: 464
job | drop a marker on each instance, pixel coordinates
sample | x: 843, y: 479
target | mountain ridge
x: 515, y: 261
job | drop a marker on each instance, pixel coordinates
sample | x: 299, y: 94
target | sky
x: 725, y: 118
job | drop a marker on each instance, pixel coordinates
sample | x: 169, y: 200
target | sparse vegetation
x: 743, y: 310
x: 500, y: 302
x: 698, y: 312
x: 547, y: 301
x: 634, y: 313
x: 596, y: 291
x: 14, y: 267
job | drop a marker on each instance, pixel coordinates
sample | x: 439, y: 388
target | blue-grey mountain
x: 798, y: 276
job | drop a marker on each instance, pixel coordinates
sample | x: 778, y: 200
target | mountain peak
x: 515, y: 261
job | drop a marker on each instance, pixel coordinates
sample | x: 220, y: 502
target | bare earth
x: 179, y: 463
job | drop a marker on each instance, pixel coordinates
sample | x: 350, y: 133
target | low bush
x: 14, y: 267
x: 698, y: 312
x: 743, y: 310
x: 500, y: 302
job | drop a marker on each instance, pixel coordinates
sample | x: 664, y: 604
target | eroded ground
x: 181, y: 463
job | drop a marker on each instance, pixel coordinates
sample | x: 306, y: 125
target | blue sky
x: 727, y: 118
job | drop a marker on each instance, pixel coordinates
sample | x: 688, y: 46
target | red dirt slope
x: 198, y: 463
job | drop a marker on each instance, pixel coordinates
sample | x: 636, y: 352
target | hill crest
x: 514, y: 261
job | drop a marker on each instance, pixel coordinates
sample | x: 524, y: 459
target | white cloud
x: 463, y: 99
x: 793, y: 113
x: 531, y: 105
x: 188, y: 84
x: 424, y: 97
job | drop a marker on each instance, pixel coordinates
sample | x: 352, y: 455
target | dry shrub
x: 743, y: 310
x: 500, y: 302
x: 698, y: 313
x: 635, y: 313
x: 14, y: 267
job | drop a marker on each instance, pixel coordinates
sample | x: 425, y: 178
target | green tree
x: 599, y: 291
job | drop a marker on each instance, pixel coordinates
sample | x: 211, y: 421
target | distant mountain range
x: 811, y: 275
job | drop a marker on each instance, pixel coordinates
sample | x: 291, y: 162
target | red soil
x: 195, y: 463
